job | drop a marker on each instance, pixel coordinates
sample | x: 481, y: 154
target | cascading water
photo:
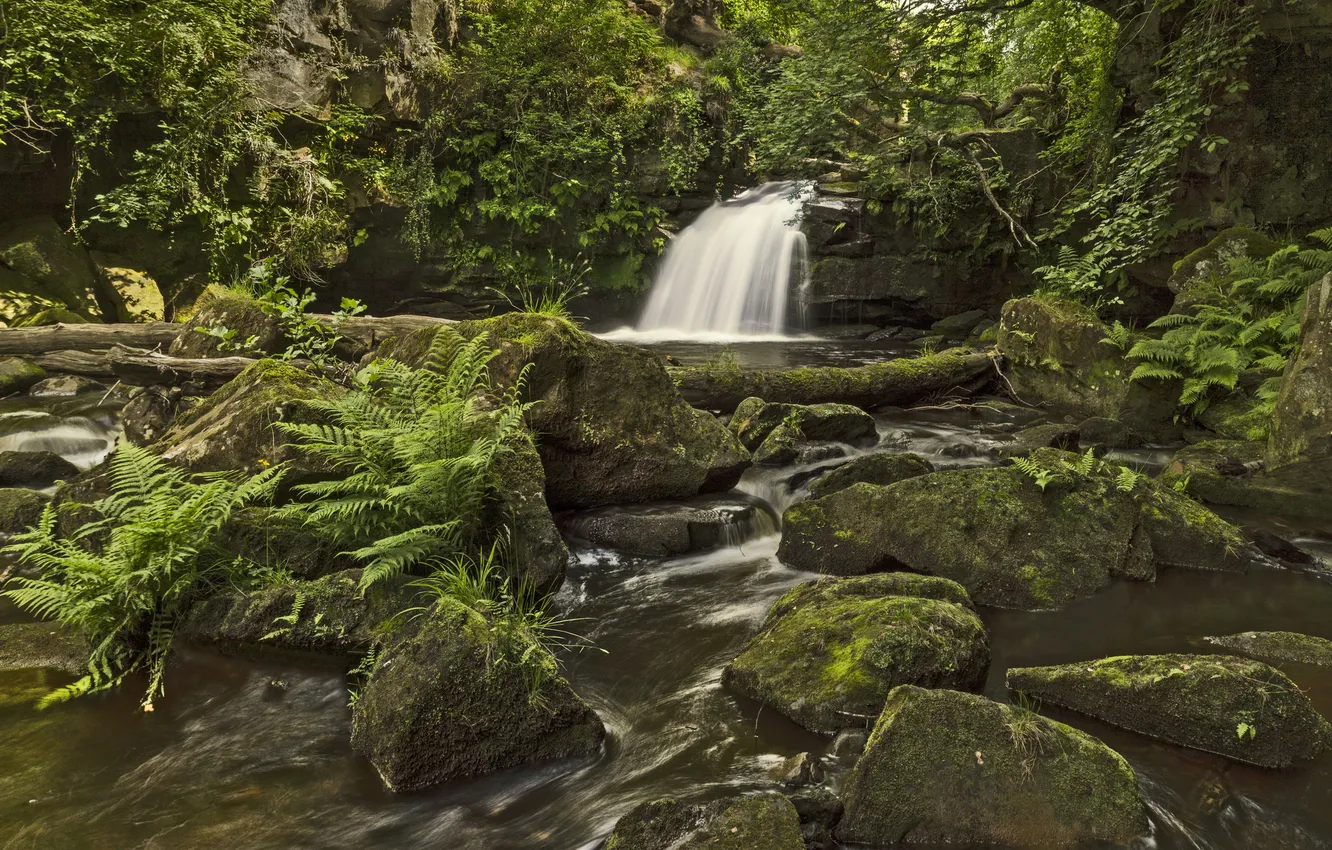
x: 731, y: 271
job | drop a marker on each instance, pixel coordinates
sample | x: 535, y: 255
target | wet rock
x: 753, y: 822
x: 49, y: 645
x: 149, y: 413
x: 1231, y: 472
x: 755, y: 420
x: 849, y: 744
x: 798, y: 771
x: 232, y: 429
x: 816, y: 452
x: 34, y: 469
x: 20, y: 509
x: 1282, y: 549
x: 1058, y: 355
x: 1103, y: 433
x: 671, y: 529
x: 1301, y: 428
x: 1009, y: 542
x: 64, y: 386
x: 1234, y: 707
x: 846, y: 331
x: 132, y: 292
x: 611, y: 427
x: 897, y: 333
x: 328, y: 616
x: 41, y: 251
x: 782, y: 446
x: 1237, y: 417
x: 1278, y: 646
x: 881, y: 468
x: 1028, y: 440
x: 18, y: 375
x: 960, y: 325
x: 256, y: 330
x: 446, y: 702
x: 536, y: 551
x: 830, y: 651
x: 949, y: 767
x: 817, y: 805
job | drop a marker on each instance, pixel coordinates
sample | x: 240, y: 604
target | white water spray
x: 731, y: 271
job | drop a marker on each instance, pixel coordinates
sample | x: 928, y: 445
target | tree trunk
x: 89, y: 337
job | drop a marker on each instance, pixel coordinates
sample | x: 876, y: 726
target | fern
x: 415, y: 449
x: 126, y: 579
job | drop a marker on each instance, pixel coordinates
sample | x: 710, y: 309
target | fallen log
x: 85, y: 337
x: 141, y: 368
x: 894, y: 382
x: 370, y: 331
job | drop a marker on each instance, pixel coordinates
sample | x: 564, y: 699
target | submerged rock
x: 1234, y: 707
x: 1007, y: 541
x: 34, y: 469
x: 64, y: 386
x: 754, y: 420
x: 882, y: 468
x: 611, y: 429
x: 754, y: 822
x: 449, y: 702
x: 830, y: 651
x: 1278, y: 646
x: 1234, y: 472
x: 20, y: 508
x: 949, y: 767
x: 670, y: 529
x: 18, y: 375
x: 50, y: 645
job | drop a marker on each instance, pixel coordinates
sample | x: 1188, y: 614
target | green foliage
x: 416, y: 450
x: 549, y: 292
x: 1070, y: 472
x: 1246, y: 316
x: 125, y: 580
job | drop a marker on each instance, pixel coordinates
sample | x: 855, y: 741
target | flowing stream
x: 252, y: 755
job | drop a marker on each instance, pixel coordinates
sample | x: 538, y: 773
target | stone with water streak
x: 754, y: 822
x: 669, y: 529
x: 882, y: 468
x: 755, y: 421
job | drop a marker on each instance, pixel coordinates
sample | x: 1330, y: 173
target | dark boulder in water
x: 753, y: 822
x: 670, y: 529
x: 881, y: 468
x: 34, y: 469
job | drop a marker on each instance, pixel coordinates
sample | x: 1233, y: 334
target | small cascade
x: 84, y: 438
x: 731, y: 272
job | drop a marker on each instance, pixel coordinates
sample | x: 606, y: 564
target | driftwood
x: 138, y: 367
x: 895, y: 382
x: 370, y: 331
x: 85, y: 337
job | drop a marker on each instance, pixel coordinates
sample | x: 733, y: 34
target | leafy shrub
x: 416, y: 449
x: 127, y: 579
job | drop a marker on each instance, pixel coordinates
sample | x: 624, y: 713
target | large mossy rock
x: 1278, y: 647
x: 18, y: 375
x: 1234, y: 472
x: 536, y: 550
x: 227, y: 308
x: 34, y: 469
x: 20, y: 508
x: 881, y: 468
x: 610, y: 426
x: 39, y: 250
x: 953, y: 768
x: 52, y: 646
x: 754, y: 822
x: 21, y: 299
x: 132, y: 292
x: 265, y: 537
x: 1007, y: 541
x: 755, y: 419
x: 1302, y: 422
x: 446, y: 702
x: 830, y: 651
x: 233, y: 429
x: 1058, y: 356
x: 1234, y: 707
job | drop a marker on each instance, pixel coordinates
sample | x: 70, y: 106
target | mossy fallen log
x: 902, y: 381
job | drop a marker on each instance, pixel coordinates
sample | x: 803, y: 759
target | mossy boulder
x: 50, y: 645
x: 671, y: 528
x: 754, y: 822
x: 266, y: 537
x: 609, y: 425
x: 41, y: 251
x: 1235, y: 472
x: 1234, y: 707
x: 1278, y: 647
x: 882, y: 468
x: 954, y: 768
x: 20, y: 508
x: 1237, y: 417
x: 783, y: 446
x: 18, y: 375
x: 133, y: 293
x: 1191, y: 275
x: 830, y: 651
x: 51, y: 316
x: 1302, y: 421
x: 1010, y: 543
x: 446, y: 702
x: 1058, y: 355
x: 232, y: 429
x: 1028, y: 440
x: 222, y: 307
x: 65, y: 386
x: 536, y: 550
x: 754, y: 420
x: 21, y: 299
x: 1100, y: 432
x: 34, y: 469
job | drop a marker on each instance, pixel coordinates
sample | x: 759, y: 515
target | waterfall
x: 731, y: 271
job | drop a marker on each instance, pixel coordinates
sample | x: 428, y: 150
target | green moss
x: 20, y: 508
x: 754, y: 822
x: 1279, y: 646
x: 42, y: 645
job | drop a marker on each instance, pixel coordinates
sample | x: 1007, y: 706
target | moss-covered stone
x: 782, y: 446
x: 610, y: 427
x: 50, y: 645
x: 34, y: 469
x: 1234, y: 707
x: 18, y: 375
x: 328, y: 616
x: 1278, y: 646
x: 1184, y: 533
x: 233, y: 429
x: 830, y: 651
x: 21, y: 299
x: 51, y: 316
x: 882, y: 468
x: 536, y: 551
x: 755, y: 822
x: 20, y: 508
x: 948, y: 767
x: 133, y: 293
x: 265, y: 537
x: 1028, y: 440
x: 41, y: 251
x: 1058, y: 355
x: 1302, y: 421
x: 755, y: 420
x: 1237, y: 417
x: 442, y: 704
x: 1203, y: 273
x: 66, y: 386
x: 1100, y: 432
x: 230, y: 309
